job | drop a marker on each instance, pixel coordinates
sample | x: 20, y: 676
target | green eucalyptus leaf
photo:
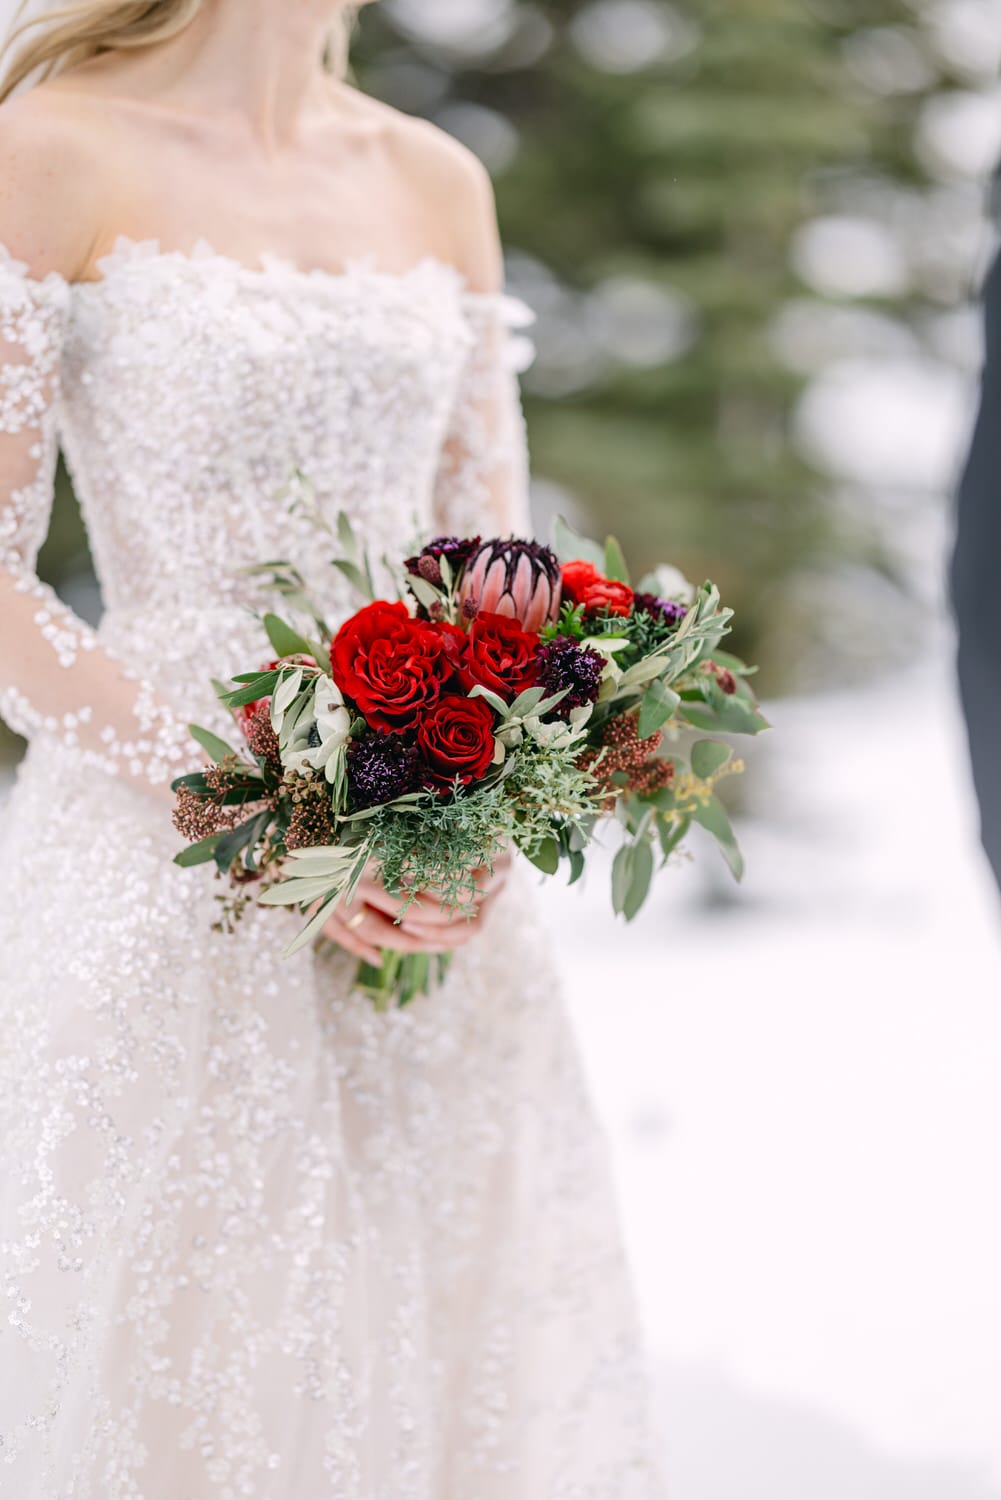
x: 735, y: 664
x: 659, y: 704
x: 496, y: 702
x: 699, y: 715
x: 425, y: 593
x: 526, y: 702
x: 546, y: 857
x: 614, y: 561
x: 641, y: 874
x: 734, y: 715
x: 569, y: 546
x: 707, y: 756
x: 622, y: 876
x: 714, y: 818
x: 671, y: 834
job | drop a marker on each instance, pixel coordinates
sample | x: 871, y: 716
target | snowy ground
x: 801, y: 1087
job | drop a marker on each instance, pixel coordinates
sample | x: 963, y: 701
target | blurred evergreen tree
x: 674, y: 149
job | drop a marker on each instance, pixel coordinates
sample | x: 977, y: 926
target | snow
x: 800, y: 1083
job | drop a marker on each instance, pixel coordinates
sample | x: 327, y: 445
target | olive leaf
x: 285, y: 640
x: 215, y: 747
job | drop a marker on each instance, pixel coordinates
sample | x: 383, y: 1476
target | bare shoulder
x: 55, y: 153
x: 455, y: 187
x: 461, y: 194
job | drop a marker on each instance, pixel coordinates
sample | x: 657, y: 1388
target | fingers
x: 338, y: 931
x: 376, y: 916
x: 425, y: 910
x: 362, y: 925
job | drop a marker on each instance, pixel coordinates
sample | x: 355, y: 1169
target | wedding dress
x: 257, y: 1240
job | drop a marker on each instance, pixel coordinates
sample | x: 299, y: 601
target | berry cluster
x: 622, y: 753
x: 261, y: 737
x: 312, y: 820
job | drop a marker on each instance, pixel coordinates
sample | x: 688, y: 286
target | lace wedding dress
x: 257, y: 1240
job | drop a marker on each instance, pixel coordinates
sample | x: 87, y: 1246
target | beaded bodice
x: 211, y: 415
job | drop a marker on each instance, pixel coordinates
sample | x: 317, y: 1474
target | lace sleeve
x: 56, y: 681
x: 482, y: 479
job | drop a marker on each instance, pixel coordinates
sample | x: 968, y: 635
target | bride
x: 256, y: 1239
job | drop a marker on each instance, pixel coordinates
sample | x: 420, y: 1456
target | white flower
x: 559, y: 734
x: 321, y: 733
x: 283, y: 698
x: 671, y: 583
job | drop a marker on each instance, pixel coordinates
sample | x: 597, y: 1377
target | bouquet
x: 504, y: 698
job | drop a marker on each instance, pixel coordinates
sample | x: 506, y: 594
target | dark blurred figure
x: 976, y: 582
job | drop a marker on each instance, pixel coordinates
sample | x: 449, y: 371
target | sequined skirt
x: 258, y: 1240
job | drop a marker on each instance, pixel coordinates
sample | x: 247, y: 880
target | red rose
x: 390, y: 666
x: 453, y: 639
x: 583, y: 584
x: 456, y: 738
x: 606, y: 593
x: 499, y: 654
x: 575, y: 577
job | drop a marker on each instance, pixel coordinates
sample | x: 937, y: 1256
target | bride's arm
x: 56, y: 681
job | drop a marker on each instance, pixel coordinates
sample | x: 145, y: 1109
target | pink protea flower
x: 512, y: 577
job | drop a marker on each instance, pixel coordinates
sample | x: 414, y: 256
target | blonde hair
x: 82, y: 29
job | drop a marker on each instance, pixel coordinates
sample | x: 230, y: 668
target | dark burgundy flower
x: 427, y: 562
x: 667, y: 610
x: 722, y: 676
x: 565, y: 664
x: 381, y: 767
x: 516, y: 578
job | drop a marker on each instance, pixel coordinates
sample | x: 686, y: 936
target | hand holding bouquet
x: 502, y: 700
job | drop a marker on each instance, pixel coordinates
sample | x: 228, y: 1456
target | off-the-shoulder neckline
x: 128, y: 253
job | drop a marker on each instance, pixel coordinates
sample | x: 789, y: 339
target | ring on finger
x: 355, y: 921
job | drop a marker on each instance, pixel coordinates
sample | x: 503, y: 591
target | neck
x: 260, y: 59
